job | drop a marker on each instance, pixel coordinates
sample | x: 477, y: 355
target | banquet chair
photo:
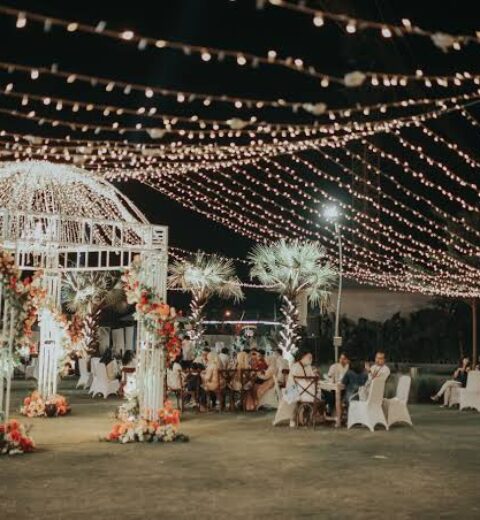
x: 369, y: 413
x: 101, y: 384
x: 85, y: 378
x: 470, y: 395
x: 396, y: 409
x: 31, y: 371
x: 310, y: 409
x: 248, y: 377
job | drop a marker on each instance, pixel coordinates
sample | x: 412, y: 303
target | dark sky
x: 232, y: 25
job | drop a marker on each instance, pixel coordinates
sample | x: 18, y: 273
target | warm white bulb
x: 318, y: 20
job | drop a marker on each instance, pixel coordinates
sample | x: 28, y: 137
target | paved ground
x: 239, y: 466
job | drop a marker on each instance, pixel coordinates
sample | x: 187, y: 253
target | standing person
x: 459, y: 380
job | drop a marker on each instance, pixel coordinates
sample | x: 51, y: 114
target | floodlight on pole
x: 332, y: 214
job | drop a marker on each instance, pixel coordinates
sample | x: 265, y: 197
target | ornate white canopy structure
x: 56, y: 216
x: 60, y: 218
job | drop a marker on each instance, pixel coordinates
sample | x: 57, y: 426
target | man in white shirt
x: 338, y: 370
x: 377, y: 371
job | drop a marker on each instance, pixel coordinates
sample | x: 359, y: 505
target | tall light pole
x: 332, y: 214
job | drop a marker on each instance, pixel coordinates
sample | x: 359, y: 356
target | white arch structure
x: 60, y: 218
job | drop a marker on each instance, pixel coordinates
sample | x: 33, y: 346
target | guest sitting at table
x: 379, y: 370
x: 258, y: 361
x: 355, y: 377
x: 242, y: 363
x: 265, y: 382
x: 335, y: 375
x: 174, y: 375
x: 128, y: 359
x: 302, y: 367
x: 459, y: 380
x: 202, y: 358
x: 212, y: 380
x: 223, y: 358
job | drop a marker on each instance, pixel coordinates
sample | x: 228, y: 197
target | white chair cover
x: 396, y: 409
x: 470, y: 395
x: 369, y: 412
x: 101, y: 384
x: 85, y: 378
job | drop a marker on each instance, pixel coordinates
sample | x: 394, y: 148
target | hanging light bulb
x: 318, y: 20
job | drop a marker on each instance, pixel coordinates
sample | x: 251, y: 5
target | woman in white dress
x: 302, y: 367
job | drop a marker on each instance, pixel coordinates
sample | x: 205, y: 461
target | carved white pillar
x: 7, y: 316
x: 151, y: 367
x: 50, y: 332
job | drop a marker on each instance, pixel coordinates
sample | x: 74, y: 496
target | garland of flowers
x: 36, y: 406
x: 24, y: 296
x: 131, y: 428
x: 14, y: 439
x: 158, y: 318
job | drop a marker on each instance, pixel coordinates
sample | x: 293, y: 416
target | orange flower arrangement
x: 163, y: 429
x: 35, y: 406
x: 157, y: 317
x: 14, y: 439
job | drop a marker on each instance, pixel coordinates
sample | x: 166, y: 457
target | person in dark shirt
x: 355, y: 377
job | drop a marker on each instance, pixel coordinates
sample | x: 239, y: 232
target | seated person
x: 302, y: 367
x: 335, y: 375
x: 174, y: 374
x: 202, y: 358
x: 355, y: 377
x: 212, y: 380
x: 459, y: 380
x: 224, y: 358
x: 379, y: 370
x: 128, y: 359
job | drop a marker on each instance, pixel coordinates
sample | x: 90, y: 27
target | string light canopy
x: 406, y: 189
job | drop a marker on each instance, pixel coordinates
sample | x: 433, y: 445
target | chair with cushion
x: 101, y: 384
x: 470, y: 395
x: 396, y: 409
x: 369, y: 412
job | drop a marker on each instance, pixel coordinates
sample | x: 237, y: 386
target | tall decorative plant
x: 204, y: 276
x: 86, y: 295
x: 292, y: 268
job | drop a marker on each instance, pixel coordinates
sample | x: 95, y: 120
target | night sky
x: 235, y: 25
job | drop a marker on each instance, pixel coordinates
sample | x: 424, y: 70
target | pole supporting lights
x: 332, y: 214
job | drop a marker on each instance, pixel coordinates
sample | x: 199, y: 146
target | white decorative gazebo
x: 60, y: 218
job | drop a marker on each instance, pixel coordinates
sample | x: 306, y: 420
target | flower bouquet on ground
x: 35, y: 406
x: 14, y: 439
x: 131, y: 428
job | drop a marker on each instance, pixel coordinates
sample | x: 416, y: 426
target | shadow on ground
x: 239, y: 466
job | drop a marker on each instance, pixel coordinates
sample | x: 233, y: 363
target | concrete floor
x: 239, y: 466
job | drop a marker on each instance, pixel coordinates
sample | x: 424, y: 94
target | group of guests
x: 204, y: 377
x: 354, y: 376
